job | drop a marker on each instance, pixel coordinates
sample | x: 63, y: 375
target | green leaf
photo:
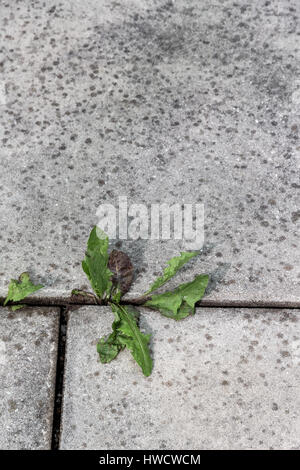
x: 174, y: 265
x: 95, y: 263
x: 109, y: 347
x: 17, y: 307
x: 116, y: 295
x: 79, y: 292
x: 21, y: 288
x: 130, y: 336
x: 180, y: 302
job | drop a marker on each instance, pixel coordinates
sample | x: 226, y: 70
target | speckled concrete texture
x: 161, y: 101
x: 28, y: 349
x: 223, y: 379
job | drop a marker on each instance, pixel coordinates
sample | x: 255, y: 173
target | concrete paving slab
x: 223, y: 379
x: 28, y: 349
x: 158, y: 101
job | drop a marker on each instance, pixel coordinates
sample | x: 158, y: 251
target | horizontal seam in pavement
x: 64, y: 303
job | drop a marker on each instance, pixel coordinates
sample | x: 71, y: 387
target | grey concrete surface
x: 28, y: 349
x: 159, y: 101
x: 223, y: 379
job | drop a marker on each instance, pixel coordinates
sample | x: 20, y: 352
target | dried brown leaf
x: 120, y: 265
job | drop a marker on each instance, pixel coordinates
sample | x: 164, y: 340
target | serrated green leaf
x: 109, y: 347
x: 174, y: 264
x: 130, y: 336
x: 180, y: 302
x: 21, y: 288
x: 95, y: 263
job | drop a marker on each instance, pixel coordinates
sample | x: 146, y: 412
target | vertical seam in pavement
x: 60, y: 367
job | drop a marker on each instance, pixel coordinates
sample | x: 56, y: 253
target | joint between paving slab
x: 69, y: 303
x: 60, y: 367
